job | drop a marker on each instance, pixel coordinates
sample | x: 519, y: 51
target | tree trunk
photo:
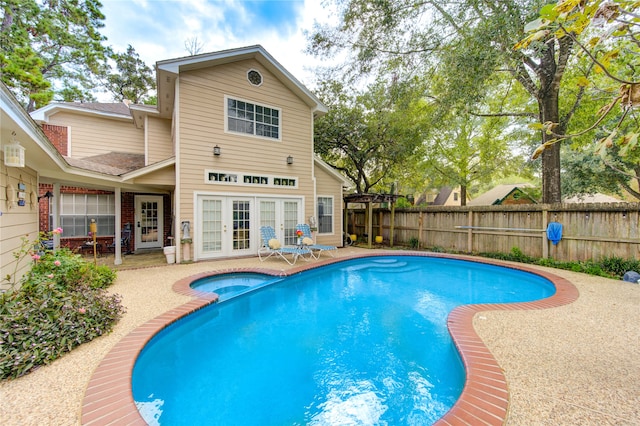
x: 463, y: 195
x: 551, y: 190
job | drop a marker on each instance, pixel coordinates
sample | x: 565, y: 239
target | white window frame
x: 77, y: 206
x: 333, y: 215
x: 227, y: 98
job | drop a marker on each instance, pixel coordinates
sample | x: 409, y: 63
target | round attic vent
x: 254, y: 77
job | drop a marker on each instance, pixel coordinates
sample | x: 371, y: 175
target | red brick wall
x: 58, y: 136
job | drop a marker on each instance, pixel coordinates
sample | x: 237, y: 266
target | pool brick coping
x: 108, y: 399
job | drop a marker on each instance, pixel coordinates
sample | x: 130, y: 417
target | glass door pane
x: 149, y: 226
x: 211, y: 226
x: 290, y: 220
x: 241, y: 225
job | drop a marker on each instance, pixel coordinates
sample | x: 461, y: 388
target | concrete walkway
x: 573, y: 365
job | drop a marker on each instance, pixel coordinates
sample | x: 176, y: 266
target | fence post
x: 420, y: 227
x: 392, y: 222
x: 545, y: 243
x: 470, y: 232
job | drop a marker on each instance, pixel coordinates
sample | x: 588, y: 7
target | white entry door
x: 149, y: 223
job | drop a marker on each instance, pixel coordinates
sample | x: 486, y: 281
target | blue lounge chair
x: 271, y: 246
x: 316, y: 249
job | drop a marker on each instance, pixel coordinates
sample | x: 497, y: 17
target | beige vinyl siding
x: 160, y: 146
x: 166, y: 176
x: 17, y: 222
x: 91, y: 135
x: 202, y: 124
x: 328, y: 186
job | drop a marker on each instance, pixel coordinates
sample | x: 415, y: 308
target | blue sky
x: 158, y: 29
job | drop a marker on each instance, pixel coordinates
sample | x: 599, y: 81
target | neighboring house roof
x: 168, y: 70
x: 592, y: 198
x: 443, y: 196
x: 498, y: 194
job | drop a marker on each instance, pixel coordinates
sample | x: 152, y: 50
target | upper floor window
x: 253, y: 119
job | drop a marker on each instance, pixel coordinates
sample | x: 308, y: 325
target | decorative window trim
x: 251, y: 74
x: 255, y: 104
x: 220, y: 177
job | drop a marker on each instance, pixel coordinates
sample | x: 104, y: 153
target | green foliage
x: 45, y: 41
x: 60, y: 305
x: 133, y: 79
x: 609, y: 267
x: 414, y: 243
x: 373, y: 136
x: 604, y: 35
x: 403, y: 203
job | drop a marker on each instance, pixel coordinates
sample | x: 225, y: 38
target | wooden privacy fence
x: 590, y: 231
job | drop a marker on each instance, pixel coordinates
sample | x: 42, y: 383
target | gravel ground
x: 574, y: 365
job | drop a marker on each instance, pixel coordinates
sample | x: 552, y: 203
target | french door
x: 230, y: 226
x: 281, y: 215
x: 149, y: 223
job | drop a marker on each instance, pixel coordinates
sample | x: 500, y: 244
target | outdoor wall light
x: 216, y: 150
x: 47, y: 194
x: 289, y: 160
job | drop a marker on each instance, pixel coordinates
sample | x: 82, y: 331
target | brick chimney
x: 59, y: 137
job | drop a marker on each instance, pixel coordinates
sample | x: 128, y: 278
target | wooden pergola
x: 370, y: 200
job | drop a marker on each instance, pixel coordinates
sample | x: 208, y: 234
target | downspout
x: 176, y: 201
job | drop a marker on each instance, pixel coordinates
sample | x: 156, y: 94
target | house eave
x: 168, y: 70
x: 42, y: 115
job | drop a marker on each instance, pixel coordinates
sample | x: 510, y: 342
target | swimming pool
x: 361, y: 341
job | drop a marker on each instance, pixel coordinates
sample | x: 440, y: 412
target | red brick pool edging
x: 108, y: 399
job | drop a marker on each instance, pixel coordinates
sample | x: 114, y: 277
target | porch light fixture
x: 216, y: 150
x: 289, y: 160
x: 47, y: 195
x: 14, y: 153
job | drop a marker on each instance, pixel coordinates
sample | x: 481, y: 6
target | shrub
x: 617, y: 266
x: 414, y: 243
x: 60, y: 305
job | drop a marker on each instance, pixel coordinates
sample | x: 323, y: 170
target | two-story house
x: 228, y: 148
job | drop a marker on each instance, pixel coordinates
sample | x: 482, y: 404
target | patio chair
x: 272, y: 246
x: 316, y: 249
x: 125, y: 242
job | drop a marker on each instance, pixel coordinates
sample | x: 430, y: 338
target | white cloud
x: 157, y: 30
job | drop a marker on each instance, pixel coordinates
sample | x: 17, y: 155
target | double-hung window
x: 253, y: 119
x: 325, y: 215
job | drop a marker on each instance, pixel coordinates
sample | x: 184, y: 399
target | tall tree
x: 372, y: 135
x: 133, y: 79
x: 43, y: 41
x: 464, y: 152
x: 606, y: 35
x: 471, y: 40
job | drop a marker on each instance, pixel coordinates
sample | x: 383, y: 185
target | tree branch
x: 593, y: 58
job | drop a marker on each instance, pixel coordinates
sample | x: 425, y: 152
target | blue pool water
x: 357, y: 342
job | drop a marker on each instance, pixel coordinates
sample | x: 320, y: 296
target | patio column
x: 55, y: 212
x: 117, y: 233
